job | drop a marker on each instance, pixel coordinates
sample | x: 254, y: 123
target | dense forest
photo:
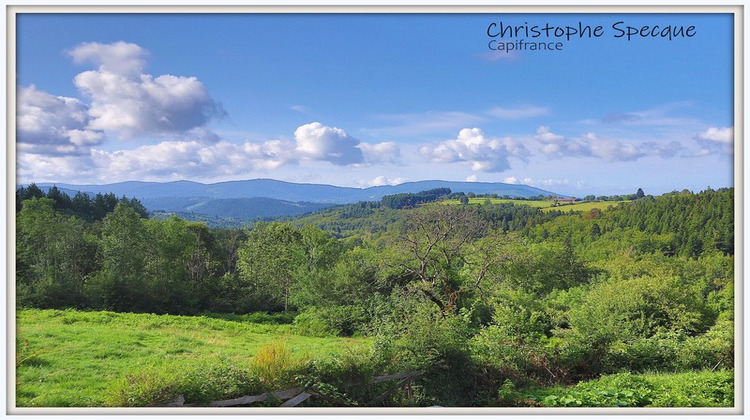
x: 488, y: 299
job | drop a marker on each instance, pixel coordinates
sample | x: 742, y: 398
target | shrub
x: 145, y: 387
x: 714, y: 349
x: 420, y: 337
x: 273, y: 365
x: 331, y: 321
x: 691, y: 389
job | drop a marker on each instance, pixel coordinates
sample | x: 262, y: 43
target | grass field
x: 72, y: 358
x: 545, y: 205
x: 96, y: 359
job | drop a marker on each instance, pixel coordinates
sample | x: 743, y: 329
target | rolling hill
x: 262, y: 198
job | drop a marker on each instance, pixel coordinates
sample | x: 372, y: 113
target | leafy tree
x: 542, y: 268
x: 170, y: 247
x: 268, y: 261
x: 438, y: 250
x: 122, y: 284
x: 54, y: 256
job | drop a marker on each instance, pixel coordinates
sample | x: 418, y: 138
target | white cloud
x: 385, y: 152
x: 555, y: 145
x: 717, y: 139
x: 117, y: 58
x: 316, y: 141
x: 192, y: 159
x: 486, y: 154
x: 130, y: 103
x: 33, y: 167
x: 609, y: 149
x: 52, y: 124
x: 721, y: 135
x: 382, y: 180
x: 541, y: 183
x: 472, y: 178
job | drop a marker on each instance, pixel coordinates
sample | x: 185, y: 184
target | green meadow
x: 74, y: 358
x: 545, y: 205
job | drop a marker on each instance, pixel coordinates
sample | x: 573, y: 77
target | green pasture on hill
x: 545, y: 205
x: 73, y: 358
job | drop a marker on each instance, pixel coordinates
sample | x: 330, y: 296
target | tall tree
x: 54, y: 256
x: 441, y: 252
x: 122, y: 283
x: 268, y: 261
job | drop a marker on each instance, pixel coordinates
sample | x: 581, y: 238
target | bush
x: 714, y: 349
x: 273, y: 365
x: 694, y: 389
x: 420, y: 337
x: 331, y: 321
x: 691, y: 389
x: 147, y: 386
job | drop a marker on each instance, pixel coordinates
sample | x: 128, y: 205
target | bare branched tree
x: 447, y: 249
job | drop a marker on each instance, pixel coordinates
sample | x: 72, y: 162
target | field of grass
x: 585, y: 206
x: 545, y: 205
x: 95, y: 359
x: 73, y: 358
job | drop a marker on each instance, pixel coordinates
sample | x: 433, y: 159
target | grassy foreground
x: 95, y: 359
x: 73, y: 358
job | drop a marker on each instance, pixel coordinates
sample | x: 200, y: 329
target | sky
x: 594, y: 104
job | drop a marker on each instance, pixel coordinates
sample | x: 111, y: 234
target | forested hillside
x: 489, y: 300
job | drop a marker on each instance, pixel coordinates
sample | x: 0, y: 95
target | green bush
x: 147, y: 386
x: 694, y: 389
x: 691, y: 389
x: 419, y: 336
x: 345, y: 320
x: 714, y: 349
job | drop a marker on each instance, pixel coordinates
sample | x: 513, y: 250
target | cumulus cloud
x: 117, y: 58
x: 385, y: 152
x: 592, y: 145
x: 52, y: 124
x: 185, y: 159
x: 542, y: 183
x: 611, y: 149
x: 127, y: 101
x: 488, y: 154
x: 382, y: 180
x: 32, y: 167
x: 316, y: 141
x: 555, y: 145
x: 122, y: 101
x: 716, y: 139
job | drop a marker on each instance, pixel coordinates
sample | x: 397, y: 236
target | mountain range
x: 250, y: 199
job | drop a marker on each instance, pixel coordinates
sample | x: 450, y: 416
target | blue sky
x: 373, y: 99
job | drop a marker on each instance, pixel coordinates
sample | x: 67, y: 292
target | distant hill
x: 281, y: 190
x: 259, y: 198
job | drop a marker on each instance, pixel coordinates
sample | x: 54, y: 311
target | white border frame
x: 302, y: 6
